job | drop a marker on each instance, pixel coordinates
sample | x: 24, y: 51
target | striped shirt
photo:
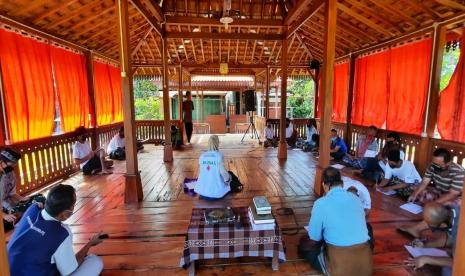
x: 452, y: 178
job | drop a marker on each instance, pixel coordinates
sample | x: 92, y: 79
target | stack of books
x: 260, y: 214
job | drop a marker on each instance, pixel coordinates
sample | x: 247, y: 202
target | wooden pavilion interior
x: 142, y: 205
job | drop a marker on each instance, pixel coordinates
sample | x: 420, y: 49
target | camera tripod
x: 252, y: 128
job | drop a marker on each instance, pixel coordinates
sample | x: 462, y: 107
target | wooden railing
x: 201, y: 128
x: 153, y: 130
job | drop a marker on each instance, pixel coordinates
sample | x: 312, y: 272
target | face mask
x: 370, y: 137
x: 437, y: 168
x: 83, y: 138
x: 333, y: 139
x: 8, y: 169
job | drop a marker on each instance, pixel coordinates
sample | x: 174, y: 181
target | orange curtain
x: 340, y: 92
x: 28, y: 86
x: 451, y: 113
x: 115, y: 76
x: 371, y: 87
x: 103, y: 94
x: 409, y: 74
x: 71, y: 84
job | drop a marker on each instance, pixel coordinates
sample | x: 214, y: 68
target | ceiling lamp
x: 226, y: 18
x: 224, y: 69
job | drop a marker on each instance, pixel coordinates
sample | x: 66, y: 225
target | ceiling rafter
x: 305, y: 16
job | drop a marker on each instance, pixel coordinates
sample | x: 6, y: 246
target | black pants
x: 337, y: 155
x: 189, y: 128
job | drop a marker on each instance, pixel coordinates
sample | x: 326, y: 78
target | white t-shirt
x: 310, y: 131
x: 362, y: 191
x: 289, y: 130
x: 64, y: 257
x: 213, y: 179
x: 116, y: 142
x: 269, y: 133
x: 407, y: 172
x: 80, y: 151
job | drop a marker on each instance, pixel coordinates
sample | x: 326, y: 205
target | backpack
x: 235, y: 185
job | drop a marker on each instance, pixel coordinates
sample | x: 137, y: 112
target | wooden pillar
x: 326, y: 91
x: 133, y: 188
x: 197, y: 99
x: 168, y: 148
x: 203, y: 107
x: 91, y: 91
x: 267, y: 93
x: 350, y: 96
x: 282, y: 151
x: 459, y: 256
x: 180, y: 98
x: 241, y: 101
x: 4, y: 267
x: 317, y: 90
x: 432, y: 102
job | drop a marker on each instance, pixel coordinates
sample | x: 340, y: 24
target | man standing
x: 43, y: 245
x: 187, y: 108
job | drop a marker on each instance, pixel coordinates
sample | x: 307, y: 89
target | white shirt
x: 310, y: 131
x: 115, y: 143
x: 362, y: 191
x: 289, y: 130
x: 213, y: 179
x: 269, y: 133
x: 80, y: 151
x: 64, y: 257
x: 383, y: 163
x: 407, y: 172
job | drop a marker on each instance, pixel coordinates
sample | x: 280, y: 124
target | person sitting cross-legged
x: 338, y: 240
x: 88, y: 160
x: 312, y: 135
x: 214, y: 181
x: 366, y: 147
x: 338, y: 148
x: 270, y: 139
x: 438, y: 217
x: 42, y: 244
x: 176, y: 138
x: 117, y: 145
x: 400, y: 175
x: 447, y: 178
x: 291, y: 133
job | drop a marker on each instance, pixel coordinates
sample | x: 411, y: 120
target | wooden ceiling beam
x: 37, y: 19
x: 141, y: 41
x: 396, y: 12
x: 363, y: 19
x: 74, y: 13
x: 154, y: 9
x: 452, y: 4
x: 224, y: 36
x: 294, y: 13
x: 299, y: 37
x: 148, y: 16
x: 306, y: 15
x: 202, y: 21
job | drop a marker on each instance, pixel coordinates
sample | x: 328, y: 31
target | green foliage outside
x: 147, y: 100
x: 449, y: 62
x: 301, y: 98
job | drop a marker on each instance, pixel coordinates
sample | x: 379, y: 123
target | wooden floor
x: 147, y: 238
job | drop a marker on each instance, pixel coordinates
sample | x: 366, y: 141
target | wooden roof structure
x: 253, y: 42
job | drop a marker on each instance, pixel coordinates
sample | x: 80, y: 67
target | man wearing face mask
x: 116, y: 146
x: 338, y: 148
x: 43, y: 245
x: 88, y: 160
x: 399, y: 175
x: 438, y: 218
x: 447, y: 178
x: 366, y: 148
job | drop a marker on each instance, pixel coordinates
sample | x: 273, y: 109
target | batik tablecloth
x: 225, y: 240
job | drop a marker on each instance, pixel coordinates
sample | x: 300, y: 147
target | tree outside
x: 302, y: 98
x: 147, y: 100
x: 449, y: 62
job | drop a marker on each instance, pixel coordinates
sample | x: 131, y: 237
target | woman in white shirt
x: 90, y: 161
x: 214, y: 181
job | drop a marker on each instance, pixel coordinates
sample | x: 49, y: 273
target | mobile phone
x: 103, y: 236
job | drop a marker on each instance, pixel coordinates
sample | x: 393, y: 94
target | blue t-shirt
x: 455, y: 225
x: 339, y: 219
x: 339, y: 143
